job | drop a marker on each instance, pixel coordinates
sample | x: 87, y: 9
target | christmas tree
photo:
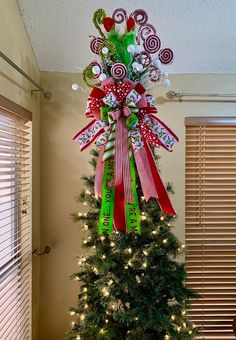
x: 131, y: 286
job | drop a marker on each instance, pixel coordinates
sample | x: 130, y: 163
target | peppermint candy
x: 152, y: 44
x: 166, y: 56
x: 118, y: 71
x: 95, y: 45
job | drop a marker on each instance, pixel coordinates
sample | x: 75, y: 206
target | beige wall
x: 16, y: 45
x: 62, y: 165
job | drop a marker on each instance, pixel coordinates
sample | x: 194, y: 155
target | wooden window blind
x: 211, y: 223
x: 15, y: 223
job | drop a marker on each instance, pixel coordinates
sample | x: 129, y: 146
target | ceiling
x: 202, y: 33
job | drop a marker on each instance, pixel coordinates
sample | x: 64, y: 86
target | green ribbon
x: 132, y: 209
x: 108, y: 196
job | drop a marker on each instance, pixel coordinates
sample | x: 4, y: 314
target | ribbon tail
x: 108, y: 193
x: 163, y: 198
x: 132, y: 209
x: 99, y: 173
x: 119, y: 212
x: 145, y: 174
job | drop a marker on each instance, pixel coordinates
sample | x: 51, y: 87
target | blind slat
x: 15, y: 222
x: 210, y: 197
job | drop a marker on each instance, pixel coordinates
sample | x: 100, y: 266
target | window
x: 15, y: 222
x: 211, y: 223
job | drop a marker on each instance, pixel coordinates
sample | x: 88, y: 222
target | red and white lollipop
x: 118, y: 70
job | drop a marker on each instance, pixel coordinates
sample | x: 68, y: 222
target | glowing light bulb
x: 173, y: 317
x: 190, y: 332
x: 82, y: 317
x: 84, y: 203
x: 126, y: 267
x: 183, y: 246
x: 78, y: 337
x: 144, y: 265
x: 145, y: 252
x: 110, y: 282
x: 88, y: 192
x: 162, y: 218
x: 105, y: 291
x: 106, y: 320
x: 85, y: 227
x: 154, y: 232
x: 142, y: 198
x: 103, y: 256
x: 72, y: 323
x: 112, y: 244
x: 102, y: 238
x: 102, y: 331
x: 85, y: 241
x: 167, y: 337
x: 129, y: 263
x: 72, y: 312
x: 129, y: 251
x: 165, y: 240
x: 80, y: 214
x: 86, y: 306
x: 183, y: 312
x: 178, y: 329
x: 184, y: 324
x: 85, y: 289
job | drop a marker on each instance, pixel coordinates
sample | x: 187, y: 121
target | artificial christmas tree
x: 131, y: 286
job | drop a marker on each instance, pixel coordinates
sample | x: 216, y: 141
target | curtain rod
x: 47, y: 94
x: 173, y: 94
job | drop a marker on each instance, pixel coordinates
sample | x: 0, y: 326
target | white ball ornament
x: 131, y: 49
x: 139, y: 68
x: 166, y: 82
x: 105, y: 50
x: 138, y: 49
x: 157, y: 62
x: 134, y: 65
x: 96, y: 69
x: 75, y: 87
x: 102, y: 76
x: 165, y: 74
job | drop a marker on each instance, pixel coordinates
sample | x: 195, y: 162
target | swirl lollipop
x: 119, y: 15
x: 154, y: 74
x: 144, y: 31
x: 140, y: 16
x: 118, y: 71
x: 152, y: 44
x: 166, y: 56
x: 95, y: 45
x: 144, y: 58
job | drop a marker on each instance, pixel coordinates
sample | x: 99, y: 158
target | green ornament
x: 131, y: 120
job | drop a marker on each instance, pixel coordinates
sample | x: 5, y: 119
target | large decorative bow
x: 124, y: 127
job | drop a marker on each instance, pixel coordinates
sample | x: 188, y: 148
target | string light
x: 94, y: 247
x: 105, y: 291
x: 72, y: 323
x: 85, y: 227
x: 173, y: 317
x: 86, y: 306
x: 110, y: 282
x: 84, y: 203
x: 165, y: 240
x: 85, y: 289
x: 167, y: 337
x: 88, y: 192
x: 145, y: 252
x: 113, y: 306
x: 103, y: 256
x: 129, y: 251
x: 136, y: 318
x: 178, y: 329
x: 102, y: 331
x: 85, y: 296
x: 142, y: 198
x: 183, y: 246
x: 190, y: 332
x: 85, y: 241
x: 95, y: 270
x: 129, y: 263
x: 126, y: 267
x: 106, y: 320
x: 183, y: 312
x: 72, y: 312
x: 162, y: 218
x: 154, y: 232
x: 144, y: 265
x: 82, y: 317
x: 184, y: 324
x: 80, y: 214
x: 76, y: 278
x: 78, y: 337
x: 102, y: 238
x: 112, y: 244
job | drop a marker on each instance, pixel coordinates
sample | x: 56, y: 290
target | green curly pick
x: 98, y: 18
